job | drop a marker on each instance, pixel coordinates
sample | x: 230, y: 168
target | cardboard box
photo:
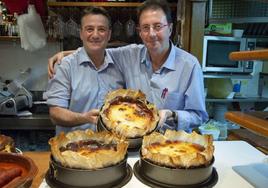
x: 224, y: 29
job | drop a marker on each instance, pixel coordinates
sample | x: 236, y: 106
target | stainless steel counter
x: 34, y: 122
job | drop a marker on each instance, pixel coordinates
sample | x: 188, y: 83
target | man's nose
x: 152, y: 31
x: 95, y: 33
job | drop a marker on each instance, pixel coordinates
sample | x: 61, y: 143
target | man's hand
x: 51, y: 63
x: 164, y: 115
x: 92, y: 116
x: 56, y: 59
x: 64, y: 117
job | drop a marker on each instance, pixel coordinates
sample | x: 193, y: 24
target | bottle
x: 9, y: 29
x: 1, y: 16
x: 1, y: 23
x: 49, y: 27
x: 15, y: 27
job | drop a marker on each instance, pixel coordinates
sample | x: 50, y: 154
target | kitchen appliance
x: 14, y: 97
x: 216, y: 50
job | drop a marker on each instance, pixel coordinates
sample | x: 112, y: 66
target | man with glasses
x: 82, y: 81
x: 170, y: 77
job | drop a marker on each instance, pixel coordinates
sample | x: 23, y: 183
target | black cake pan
x: 134, y: 143
x: 104, y: 177
x: 175, y: 176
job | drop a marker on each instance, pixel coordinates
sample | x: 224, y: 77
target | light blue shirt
x: 178, y: 85
x: 79, y: 86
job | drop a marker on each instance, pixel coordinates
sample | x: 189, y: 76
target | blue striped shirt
x: 79, y: 86
x: 178, y: 85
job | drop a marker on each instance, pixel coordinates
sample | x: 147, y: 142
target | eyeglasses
x: 156, y: 27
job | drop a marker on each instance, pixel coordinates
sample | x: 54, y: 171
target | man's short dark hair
x: 96, y: 11
x: 155, y: 5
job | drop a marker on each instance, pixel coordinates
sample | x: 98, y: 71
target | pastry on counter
x: 87, y: 149
x: 7, y: 144
x: 178, y: 149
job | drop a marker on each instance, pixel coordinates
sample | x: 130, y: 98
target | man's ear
x: 138, y: 30
x: 170, y: 28
x: 80, y: 33
x: 109, y: 35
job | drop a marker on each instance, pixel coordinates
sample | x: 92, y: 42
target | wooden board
x: 260, y: 142
x: 249, y: 55
x: 254, y: 121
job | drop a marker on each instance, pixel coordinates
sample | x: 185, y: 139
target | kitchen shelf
x: 247, y: 99
x: 17, y: 39
x: 226, y: 75
x: 9, y: 38
x: 239, y: 20
x: 85, y: 4
x: 102, y: 4
x: 34, y: 122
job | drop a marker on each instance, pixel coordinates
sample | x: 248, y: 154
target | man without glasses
x: 80, y: 84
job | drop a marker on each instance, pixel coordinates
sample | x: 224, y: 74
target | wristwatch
x: 174, y: 117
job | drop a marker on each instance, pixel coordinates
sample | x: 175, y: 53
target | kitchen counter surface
x: 41, y: 160
x: 227, y: 154
x: 255, y: 121
x: 33, y: 122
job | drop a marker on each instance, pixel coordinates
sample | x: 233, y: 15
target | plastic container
x: 214, y: 132
x: 238, y: 32
x: 223, y: 131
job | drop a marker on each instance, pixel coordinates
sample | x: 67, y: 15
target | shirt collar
x: 169, y: 63
x: 84, y: 58
x: 145, y: 59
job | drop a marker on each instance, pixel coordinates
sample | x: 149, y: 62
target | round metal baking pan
x: 59, y: 176
x: 53, y: 183
x: 134, y: 143
x: 173, y: 176
x: 209, y: 182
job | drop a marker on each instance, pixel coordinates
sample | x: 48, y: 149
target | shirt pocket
x: 174, y: 101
